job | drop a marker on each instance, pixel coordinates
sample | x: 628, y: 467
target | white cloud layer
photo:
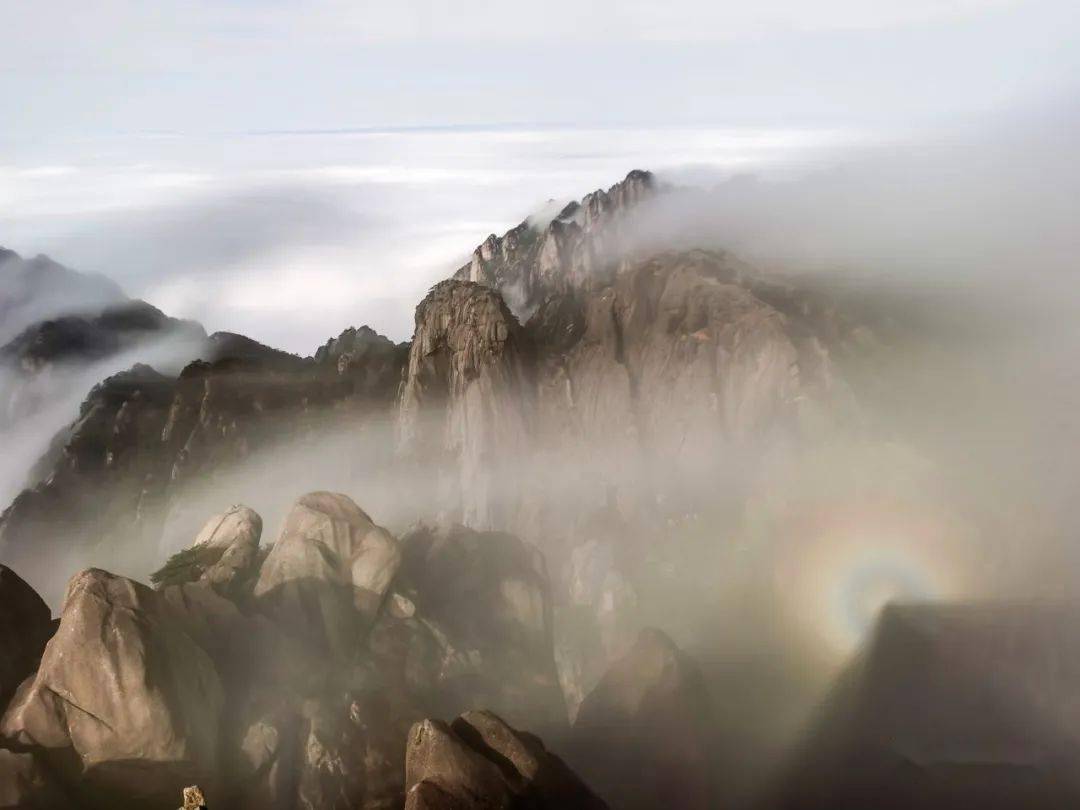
x: 293, y: 238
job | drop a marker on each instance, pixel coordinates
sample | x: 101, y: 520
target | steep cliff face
x: 466, y: 401
x: 580, y: 245
x: 620, y: 398
x: 637, y: 371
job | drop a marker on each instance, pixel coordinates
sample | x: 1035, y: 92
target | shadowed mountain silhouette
x: 950, y: 706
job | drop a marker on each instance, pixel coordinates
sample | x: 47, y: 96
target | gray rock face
x: 124, y: 700
x: 225, y: 554
x: 480, y: 762
x: 635, y: 370
x: 328, y: 731
x: 234, y: 537
x: 102, y: 476
x: 642, y: 733
x: 301, y: 691
x: 465, y: 402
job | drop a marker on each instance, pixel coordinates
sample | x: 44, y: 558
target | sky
x: 288, y: 169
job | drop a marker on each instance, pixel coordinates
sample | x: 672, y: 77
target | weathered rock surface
x: 225, y: 554
x: 479, y: 761
x: 466, y: 401
x: 328, y: 573
x: 641, y: 735
x: 124, y: 701
x: 658, y: 386
x: 657, y: 375
x: 580, y: 245
x: 298, y: 688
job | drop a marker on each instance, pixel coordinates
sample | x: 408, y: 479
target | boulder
x: 124, y: 700
x: 224, y: 554
x: 480, y: 762
x: 328, y: 573
x: 439, y: 757
x: 641, y: 736
x: 25, y: 627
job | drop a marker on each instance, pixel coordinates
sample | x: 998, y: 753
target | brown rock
x: 126, y: 691
x: 326, y: 576
x: 466, y: 400
x: 480, y: 762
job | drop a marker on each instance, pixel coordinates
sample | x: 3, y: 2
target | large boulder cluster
x: 290, y: 675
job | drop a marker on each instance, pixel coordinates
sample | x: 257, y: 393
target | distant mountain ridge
x: 39, y: 288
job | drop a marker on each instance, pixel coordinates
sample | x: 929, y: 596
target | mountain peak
x: 528, y: 263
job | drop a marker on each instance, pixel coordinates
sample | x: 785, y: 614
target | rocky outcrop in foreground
x: 289, y: 676
x: 478, y: 761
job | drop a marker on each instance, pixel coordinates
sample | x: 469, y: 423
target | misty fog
x: 952, y: 479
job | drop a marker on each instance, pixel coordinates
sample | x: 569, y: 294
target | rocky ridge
x: 38, y: 289
x: 122, y: 469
